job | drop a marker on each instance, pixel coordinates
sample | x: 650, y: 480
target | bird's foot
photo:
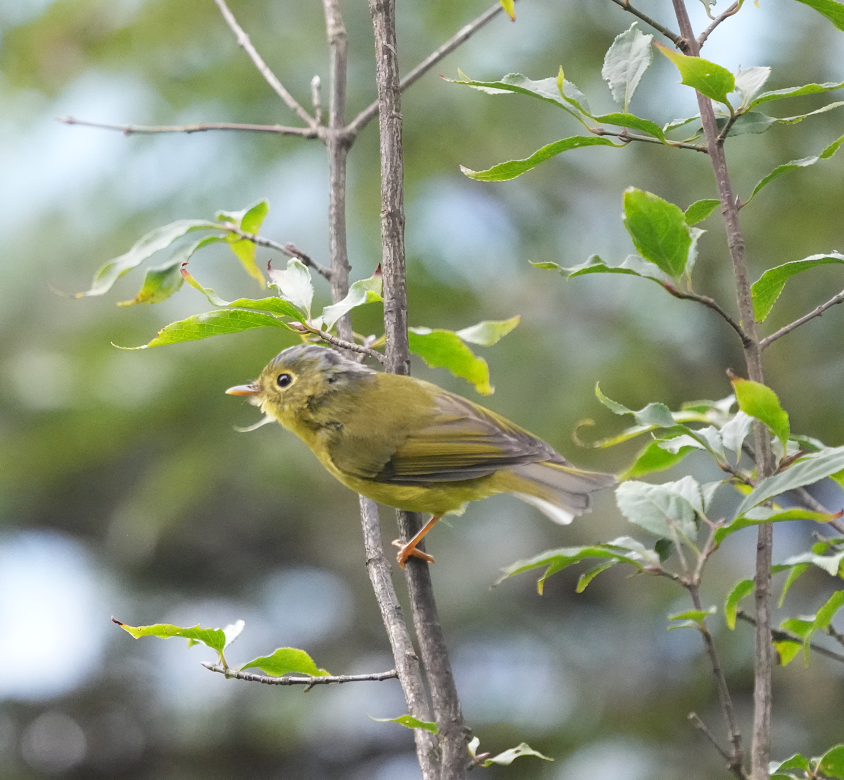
x: 409, y: 550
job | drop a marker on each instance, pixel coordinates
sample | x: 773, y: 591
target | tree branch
x: 263, y: 68
x: 703, y: 729
x: 290, y: 250
x: 201, y: 127
x: 712, y: 304
x: 768, y: 340
x: 625, y: 136
x: 762, y: 694
x: 672, y: 36
x: 462, y: 35
x: 733, y: 9
x: 785, y: 636
x: 301, y: 679
x: 453, y: 735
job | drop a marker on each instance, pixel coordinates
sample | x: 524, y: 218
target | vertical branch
x: 453, y: 735
x: 338, y: 145
x: 762, y: 699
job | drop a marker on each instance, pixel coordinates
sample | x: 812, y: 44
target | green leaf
x: 294, y: 285
x: 787, y: 651
x: 760, y: 515
x: 795, y: 572
x: 215, y: 638
x: 693, y: 618
x: 761, y: 402
x: 706, y: 77
x: 445, y: 349
x: 654, y: 458
x: 510, y: 170
x: 212, y: 323
x: 625, y: 63
x: 658, y: 230
x: 740, y: 591
x: 587, y: 576
x: 409, y: 722
x: 795, y: 762
x: 734, y: 432
x: 159, y: 284
x: 804, y: 162
x: 748, y: 83
x: 654, y: 414
x: 700, y: 210
x: 362, y: 291
x: 832, y: 10
x: 668, y: 510
x: 633, y: 265
x: 509, y: 8
x: 832, y: 762
x: 509, y: 756
x: 544, y: 89
x: 806, y: 89
x: 249, y: 220
x: 286, y: 660
x: 768, y: 287
x: 624, y: 549
x: 488, y: 332
x: 831, y: 564
x: 274, y: 305
x: 632, y: 122
x: 152, y: 242
x: 822, y: 620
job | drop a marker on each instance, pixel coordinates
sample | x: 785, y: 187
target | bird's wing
x: 461, y: 441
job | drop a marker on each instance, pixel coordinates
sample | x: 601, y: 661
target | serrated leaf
x: 700, y: 210
x: 212, y: 323
x: 768, y: 287
x: 759, y: 515
x: 286, y: 660
x: 361, y: 292
x: 761, y: 402
x: 445, y: 349
x: 658, y: 230
x: 625, y: 63
x: 294, y: 284
x: 832, y: 10
x: 409, y: 722
x: 665, y: 510
x: 654, y: 458
x: 488, y: 332
x: 633, y: 265
x: 706, y: 77
x: 513, y: 168
x: 739, y: 591
x: 806, y: 89
x: 749, y: 81
x: 152, y: 242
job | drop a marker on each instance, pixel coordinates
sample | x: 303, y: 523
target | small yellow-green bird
x: 411, y: 445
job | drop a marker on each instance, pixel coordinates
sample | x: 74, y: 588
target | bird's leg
x: 409, y: 549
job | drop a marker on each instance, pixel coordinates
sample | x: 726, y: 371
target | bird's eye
x: 284, y: 380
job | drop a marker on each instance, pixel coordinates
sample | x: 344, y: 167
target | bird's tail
x: 560, y: 491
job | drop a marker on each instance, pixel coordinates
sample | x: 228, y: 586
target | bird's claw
x: 408, y: 550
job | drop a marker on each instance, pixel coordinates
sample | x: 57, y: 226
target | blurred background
x: 126, y: 491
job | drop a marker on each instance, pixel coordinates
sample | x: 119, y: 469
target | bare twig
x: 263, y: 68
x: 301, y: 679
x: 733, y: 9
x: 735, y: 759
x: 672, y: 36
x: 625, y: 136
x: 786, y: 636
x: 452, y: 733
x: 762, y: 694
x: 809, y: 501
x: 462, y: 35
x: 712, y: 304
x: 703, y: 729
x: 290, y: 250
x: 351, y: 346
x: 768, y: 340
x: 201, y: 127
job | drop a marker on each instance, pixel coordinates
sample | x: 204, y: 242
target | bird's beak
x: 250, y: 389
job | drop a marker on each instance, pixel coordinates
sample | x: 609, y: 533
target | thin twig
x: 786, y: 636
x: 263, y: 68
x: 201, y: 127
x: 735, y: 760
x: 768, y: 340
x: 625, y: 136
x: 672, y: 36
x: 836, y: 635
x: 703, y: 729
x: 462, y: 35
x: 712, y: 304
x: 295, y: 678
x: 809, y: 501
x: 351, y: 346
x: 733, y: 9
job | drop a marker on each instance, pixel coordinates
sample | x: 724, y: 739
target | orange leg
x: 409, y: 550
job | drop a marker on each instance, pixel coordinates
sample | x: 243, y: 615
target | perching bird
x: 411, y: 445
